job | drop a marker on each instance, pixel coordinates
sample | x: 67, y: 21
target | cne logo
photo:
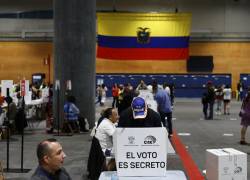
x: 143, y: 35
x: 150, y: 140
x: 238, y: 170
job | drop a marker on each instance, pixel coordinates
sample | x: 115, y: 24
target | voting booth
x: 225, y: 164
x: 141, y: 151
x: 170, y: 175
x: 6, y: 85
x: 149, y: 98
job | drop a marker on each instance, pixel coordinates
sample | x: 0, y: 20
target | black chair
x: 96, y: 160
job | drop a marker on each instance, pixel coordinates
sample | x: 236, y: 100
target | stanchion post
x: 8, y: 128
x: 23, y: 120
x: 8, y: 100
x: 58, y: 108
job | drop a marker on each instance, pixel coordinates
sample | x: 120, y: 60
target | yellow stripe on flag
x: 160, y: 24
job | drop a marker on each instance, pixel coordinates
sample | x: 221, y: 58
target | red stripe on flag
x: 189, y: 165
x: 143, y: 53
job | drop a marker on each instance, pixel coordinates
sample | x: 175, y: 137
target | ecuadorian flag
x: 142, y: 36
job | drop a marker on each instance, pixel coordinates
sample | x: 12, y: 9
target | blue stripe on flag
x: 154, y: 42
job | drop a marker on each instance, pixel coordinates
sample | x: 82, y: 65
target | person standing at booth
x: 139, y: 115
x: 164, y: 107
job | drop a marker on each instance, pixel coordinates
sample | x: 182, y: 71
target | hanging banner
x: 142, y: 36
x: 6, y: 87
x: 24, y: 86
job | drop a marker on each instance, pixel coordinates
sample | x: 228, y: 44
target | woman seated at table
x: 106, y: 129
x: 71, y: 113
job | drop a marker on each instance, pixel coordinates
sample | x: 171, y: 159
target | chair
x: 2, y: 117
x: 3, y: 128
x: 66, y: 128
x: 96, y: 161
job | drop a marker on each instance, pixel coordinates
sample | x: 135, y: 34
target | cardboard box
x: 226, y: 164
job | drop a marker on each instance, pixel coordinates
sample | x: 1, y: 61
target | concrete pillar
x: 74, y: 54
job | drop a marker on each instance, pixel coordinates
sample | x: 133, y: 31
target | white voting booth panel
x: 149, y: 98
x: 146, y: 94
x: 170, y: 175
x: 226, y: 164
x: 141, y: 151
x: 6, y: 84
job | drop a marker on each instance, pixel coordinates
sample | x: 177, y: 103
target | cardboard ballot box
x: 226, y: 164
x: 141, y: 151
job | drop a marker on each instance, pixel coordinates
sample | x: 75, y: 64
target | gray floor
x: 204, y: 135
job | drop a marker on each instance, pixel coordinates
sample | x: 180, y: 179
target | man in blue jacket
x: 164, y: 107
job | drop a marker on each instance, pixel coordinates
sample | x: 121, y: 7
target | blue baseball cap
x: 139, y: 108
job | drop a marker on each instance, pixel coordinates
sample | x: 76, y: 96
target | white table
x: 170, y: 175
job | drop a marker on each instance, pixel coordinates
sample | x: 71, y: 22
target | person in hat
x: 139, y: 115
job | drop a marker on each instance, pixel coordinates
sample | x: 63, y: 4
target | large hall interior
x: 104, y: 54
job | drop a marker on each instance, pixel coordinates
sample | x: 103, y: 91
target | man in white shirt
x: 106, y: 129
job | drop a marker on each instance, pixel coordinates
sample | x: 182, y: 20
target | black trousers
x: 115, y: 102
x: 166, y: 119
x: 205, y: 107
x: 211, y: 110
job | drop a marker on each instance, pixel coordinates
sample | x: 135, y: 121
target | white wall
x: 209, y: 16
x: 217, y: 16
x: 18, y: 25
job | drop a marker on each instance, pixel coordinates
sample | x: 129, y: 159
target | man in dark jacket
x: 139, y: 115
x: 210, y: 99
x: 50, y: 157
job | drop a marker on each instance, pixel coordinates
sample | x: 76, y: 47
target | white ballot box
x: 226, y: 164
x: 141, y: 151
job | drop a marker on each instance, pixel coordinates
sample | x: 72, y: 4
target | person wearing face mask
x: 50, y: 157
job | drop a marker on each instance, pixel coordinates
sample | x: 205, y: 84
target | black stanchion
x: 7, y: 169
x: 23, y: 120
x: 8, y: 131
x: 58, y: 113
